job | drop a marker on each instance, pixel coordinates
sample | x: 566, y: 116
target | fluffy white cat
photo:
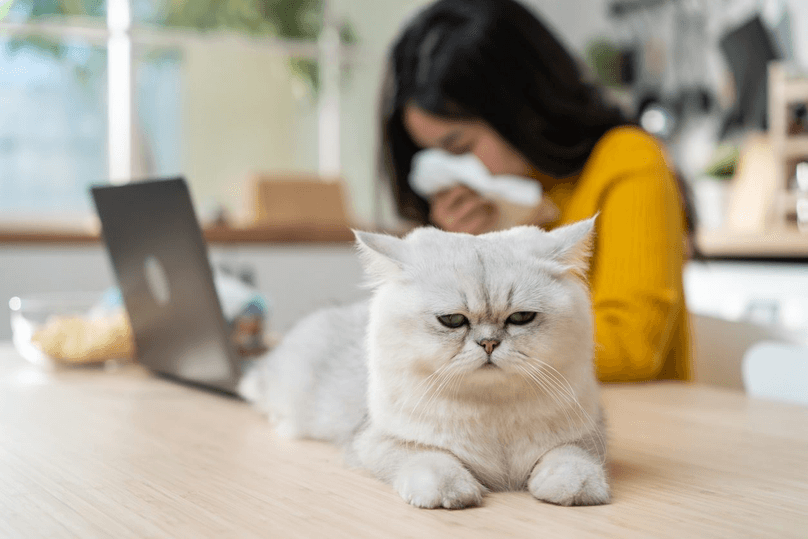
x: 469, y: 370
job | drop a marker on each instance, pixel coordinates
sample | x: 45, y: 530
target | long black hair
x: 496, y: 61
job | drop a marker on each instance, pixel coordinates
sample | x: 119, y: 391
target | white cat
x: 469, y: 370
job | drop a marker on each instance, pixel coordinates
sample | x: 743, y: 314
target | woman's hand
x: 460, y: 209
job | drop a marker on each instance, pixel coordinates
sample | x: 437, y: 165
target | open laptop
x: 161, y: 263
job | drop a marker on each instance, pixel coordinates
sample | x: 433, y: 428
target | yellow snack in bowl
x: 75, y: 339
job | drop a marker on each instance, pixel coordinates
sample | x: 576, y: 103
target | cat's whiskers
x: 447, y: 375
x: 557, y: 382
x: 419, y: 423
x: 429, y: 379
x: 456, y: 385
x: 533, y: 387
x: 549, y: 391
x: 552, y: 371
x: 564, y: 387
x: 432, y: 380
x: 557, y: 386
x: 600, y: 442
x: 542, y: 389
x: 561, y: 382
x: 450, y: 379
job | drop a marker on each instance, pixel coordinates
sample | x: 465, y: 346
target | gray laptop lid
x: 161, y: 263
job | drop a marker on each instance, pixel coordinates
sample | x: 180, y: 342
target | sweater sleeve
x: 636, y: 275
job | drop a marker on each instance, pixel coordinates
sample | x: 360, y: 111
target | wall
x: 766, y: 293
x: 376, y: 23
x: 240, y: 116
x: 799, y: 19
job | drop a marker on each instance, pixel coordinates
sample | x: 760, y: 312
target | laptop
x: 162, y: 267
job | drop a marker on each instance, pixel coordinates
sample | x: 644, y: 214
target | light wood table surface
x: 92, y: 453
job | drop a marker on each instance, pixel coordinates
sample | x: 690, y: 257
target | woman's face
x: 465, y: 136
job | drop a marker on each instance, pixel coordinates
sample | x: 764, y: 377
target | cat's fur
x: 425, y: 407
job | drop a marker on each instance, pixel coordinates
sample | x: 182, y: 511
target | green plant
x: 724, y: 162
x: 605, y: 60
x: 286, y: 19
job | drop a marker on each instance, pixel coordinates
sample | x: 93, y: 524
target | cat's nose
x: 488, y: 344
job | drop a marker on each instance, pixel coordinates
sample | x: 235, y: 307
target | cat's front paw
x: 569, y: 475
x: 438, y: 480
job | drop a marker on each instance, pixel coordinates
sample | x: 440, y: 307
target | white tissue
x: 435, y: 170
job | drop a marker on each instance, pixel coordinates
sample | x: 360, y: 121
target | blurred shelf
x: 215, y: 235
x: 41, y: 235
x: 796, y: 90
x: 280, y: 234
x: 796, y: 147
x: 780, y: 244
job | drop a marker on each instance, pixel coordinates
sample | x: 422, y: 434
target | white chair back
x: 777, y: 371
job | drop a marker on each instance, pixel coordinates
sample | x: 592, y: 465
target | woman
x: 487, y: 77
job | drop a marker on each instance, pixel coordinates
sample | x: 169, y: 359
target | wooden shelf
x: 38, y: 236
x: 781, y: 244
x: 214, y: 235
x: 796, y: 91
x: 280, y: 234
x: 796, y: 147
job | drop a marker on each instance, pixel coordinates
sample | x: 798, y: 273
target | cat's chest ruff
x: 499, y: 446
x: 501, y: 449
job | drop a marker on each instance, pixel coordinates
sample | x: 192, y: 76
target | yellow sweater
x: 641, y: 324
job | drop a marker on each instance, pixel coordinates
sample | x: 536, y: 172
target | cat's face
x: 491, y: 311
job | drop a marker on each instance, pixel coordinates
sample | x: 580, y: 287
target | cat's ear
x: 382, y: 255
x: 574, y: 245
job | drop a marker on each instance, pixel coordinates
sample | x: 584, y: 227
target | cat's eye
x: 453, y: 320
x: 521, y: 318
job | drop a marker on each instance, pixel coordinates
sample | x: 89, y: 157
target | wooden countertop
x: 784, y: 244
x: 268, y: 234
x: 89, y: 453
x: 712, y: 243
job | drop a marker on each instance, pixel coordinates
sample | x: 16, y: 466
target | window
x: 93, y: 90
x: 52, y: 124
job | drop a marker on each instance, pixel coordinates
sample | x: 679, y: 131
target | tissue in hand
x: 434, y: 170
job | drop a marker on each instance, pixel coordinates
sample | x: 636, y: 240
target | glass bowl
x: 70, y: 328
